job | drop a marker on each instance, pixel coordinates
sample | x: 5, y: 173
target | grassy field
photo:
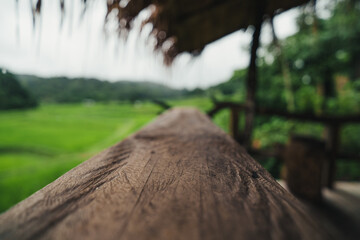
x: 37, y: 146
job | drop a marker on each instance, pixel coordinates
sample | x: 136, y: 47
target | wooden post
x: 234, y: 123
x: 251, y: 80
x: 181, y: 177
x: 290, y: 102
x: 304, y: 158
x: 332, y: 146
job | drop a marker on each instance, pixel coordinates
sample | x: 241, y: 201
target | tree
x: 321, y: 54
x: 12, y: 94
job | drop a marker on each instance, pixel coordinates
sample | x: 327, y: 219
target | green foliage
x: 331, y: 45
x: 196, y: 92
x: 201, y: 103
x: 307, y: 100
x: 320, y: 51
x: 270, y: 92
x: 222, y: 119
x: 316, y: 54
x: 232, y: 90
x: 348, y: 170
x: 324, y: 66
x: 350, y: 139
x: 12, y: 94
x: 273, y: 130
x: 347, y: 102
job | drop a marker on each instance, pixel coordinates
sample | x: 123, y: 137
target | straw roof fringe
x: 188, y: 25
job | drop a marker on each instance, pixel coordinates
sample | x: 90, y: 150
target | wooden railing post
x: 251, y: 80
x: 234, y: 123
x: 332, y: 147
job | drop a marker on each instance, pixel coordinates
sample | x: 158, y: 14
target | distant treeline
x: 25, y: 91
x: 65, y: 90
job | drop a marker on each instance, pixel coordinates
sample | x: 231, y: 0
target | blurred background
x: 71, y: 87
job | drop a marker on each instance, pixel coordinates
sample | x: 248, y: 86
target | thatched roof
x: 188, y: 25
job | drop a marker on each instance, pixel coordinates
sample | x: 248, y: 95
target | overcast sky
x: 80, y: 48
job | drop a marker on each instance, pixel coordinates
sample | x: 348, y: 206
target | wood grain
x: 181, y: 177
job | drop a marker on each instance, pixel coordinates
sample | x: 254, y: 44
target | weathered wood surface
x: 181, y: 177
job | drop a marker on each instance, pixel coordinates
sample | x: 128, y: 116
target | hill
x: 67, y: 90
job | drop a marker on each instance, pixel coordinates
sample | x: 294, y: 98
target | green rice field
x: 37, y: 146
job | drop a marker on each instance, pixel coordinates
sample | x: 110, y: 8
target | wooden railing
x: 333, y: 125
x: 181, y: 177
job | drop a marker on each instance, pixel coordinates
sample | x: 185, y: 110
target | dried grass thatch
x: 188, y: 25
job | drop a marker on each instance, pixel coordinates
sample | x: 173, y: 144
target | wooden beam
x: 355, y: 118
x: 181, y: 177
x: 223, y: 105
x: 234, y: 123
x: 309, y: 116
x: 332, y: 147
